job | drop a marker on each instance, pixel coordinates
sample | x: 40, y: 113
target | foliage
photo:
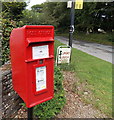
x: 37, y: 8
x: 47, y: 14
x: 105, y: 15
x: 58, y: 14
x: 34, y: 17
x: 13, y: 10
x: 30, y: 17
x: 85, y: 17
x: 96, y: 15
x: 93, y: 16
x: 51, y: 13
x: 7, y: 27
x: 111, y: 38
x: 67, y: 67
x: 52, y: 107
x: 106, y: 39
x: 11, y: 14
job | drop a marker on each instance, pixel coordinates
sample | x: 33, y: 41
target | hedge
x: 7, y: 26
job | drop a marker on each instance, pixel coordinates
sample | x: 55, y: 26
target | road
x: 104, y: 52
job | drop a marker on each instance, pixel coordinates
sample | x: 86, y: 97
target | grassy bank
x: 107, y: 39
x: 95, y: 76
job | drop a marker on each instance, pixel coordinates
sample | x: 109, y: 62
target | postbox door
x: 40, y: 58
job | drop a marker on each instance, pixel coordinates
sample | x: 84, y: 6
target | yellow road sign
x: 79, y: 4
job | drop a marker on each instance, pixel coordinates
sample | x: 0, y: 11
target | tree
x: 47, y: 17
x: 105, y: 15
x: 31, y: 17
x: 96, y: 15
x: 85, y: 18
x: 56, y: 13
x: 37, y: 8
x: 62, y: 15
x: 13, y: 10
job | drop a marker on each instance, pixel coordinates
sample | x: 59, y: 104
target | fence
x: 10, y: 100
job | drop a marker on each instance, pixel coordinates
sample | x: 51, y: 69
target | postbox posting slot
x: 41, y: 61
x: 34, y: 40
x: 31, y: 60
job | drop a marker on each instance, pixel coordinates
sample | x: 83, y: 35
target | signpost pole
x: 72, y: 14
x: 30, y: 113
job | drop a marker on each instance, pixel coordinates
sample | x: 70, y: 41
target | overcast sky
x: 34, y: 2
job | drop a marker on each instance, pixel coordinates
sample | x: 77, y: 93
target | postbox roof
x: 37, y: 26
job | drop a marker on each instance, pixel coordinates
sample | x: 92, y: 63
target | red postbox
x: 32, y: 59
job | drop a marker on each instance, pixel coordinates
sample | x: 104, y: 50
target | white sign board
x: 39, y: 52
x: 69, y: 4
x: 63, y: 54
x: 40, y: 78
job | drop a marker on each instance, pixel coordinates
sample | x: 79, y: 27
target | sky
x: 34, y: 2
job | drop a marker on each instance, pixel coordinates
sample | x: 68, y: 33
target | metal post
x: 72, y: 14
x: 30, y: 113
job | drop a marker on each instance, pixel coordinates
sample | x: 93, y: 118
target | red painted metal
x: 23, y: 65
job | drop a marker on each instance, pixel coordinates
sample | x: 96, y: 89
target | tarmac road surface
x: 104, y: 52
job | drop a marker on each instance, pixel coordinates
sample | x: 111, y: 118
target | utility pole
x: 72, y: 15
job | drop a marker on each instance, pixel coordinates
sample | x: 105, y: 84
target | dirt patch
x: 75, y: 107
x: 22, y: 113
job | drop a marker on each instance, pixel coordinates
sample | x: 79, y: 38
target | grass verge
x: 96, y: 78
x: 106, y: 39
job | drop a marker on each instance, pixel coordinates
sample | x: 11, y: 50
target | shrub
x: 66, y: 67
x: 111, y: 37
x: 52, y: 107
